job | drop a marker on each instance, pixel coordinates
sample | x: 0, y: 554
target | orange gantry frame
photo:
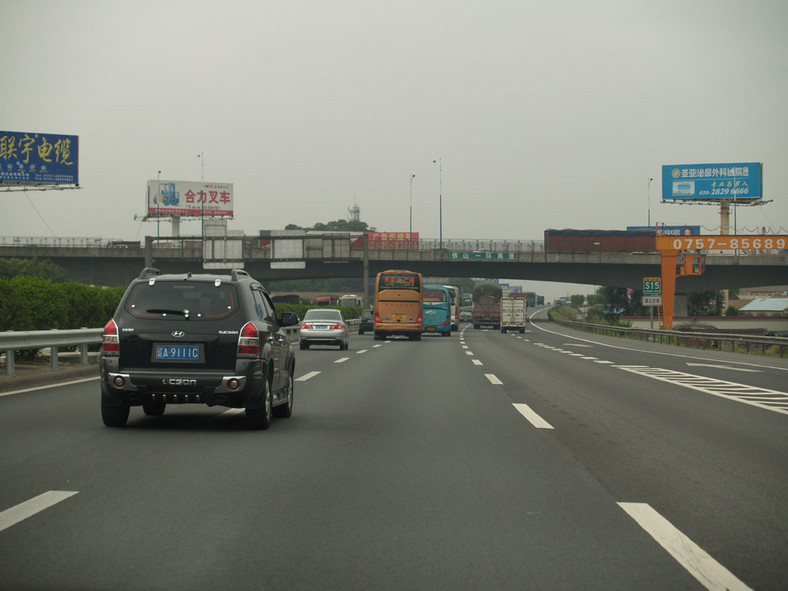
x: 692, y: 249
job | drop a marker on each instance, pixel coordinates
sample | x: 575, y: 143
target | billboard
x: 38, y: 158
x: 663, y: 230
x: 389, y: 241
x: 189, y: 199
x: 740, y: 181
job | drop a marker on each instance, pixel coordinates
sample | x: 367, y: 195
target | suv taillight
x: 110, y: 344
x: 249, y: 341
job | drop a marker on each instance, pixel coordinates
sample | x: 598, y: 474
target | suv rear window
x: 193, y: 300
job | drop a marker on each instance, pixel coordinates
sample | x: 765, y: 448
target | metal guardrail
x: 13, y: 341
x: 699, y: 340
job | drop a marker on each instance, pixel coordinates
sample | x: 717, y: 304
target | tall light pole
x: 648, y: 196
x: 158, y: 207
x: 410, y: 232
x: 201, y: 156
x: 440, y: 202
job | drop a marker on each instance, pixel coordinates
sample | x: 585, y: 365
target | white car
x: 322, y: 326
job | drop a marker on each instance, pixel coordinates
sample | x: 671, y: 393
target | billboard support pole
x: 725, y: 217
x: 669, y: 258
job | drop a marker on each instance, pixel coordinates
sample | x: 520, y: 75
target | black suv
x: 204, y: 339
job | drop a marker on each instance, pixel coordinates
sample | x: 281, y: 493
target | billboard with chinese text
x: 189, y: 199
x: 389, y: 241
x: 38, y: 158
x: 741, y: 181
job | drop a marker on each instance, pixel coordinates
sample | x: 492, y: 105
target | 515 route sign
x: 652, y: 285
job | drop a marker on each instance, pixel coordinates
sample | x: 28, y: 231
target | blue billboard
x: 740, y: 181
x: 38, y: 158
x: 670, y: 230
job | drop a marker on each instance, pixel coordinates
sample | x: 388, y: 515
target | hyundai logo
x: 178, y: 333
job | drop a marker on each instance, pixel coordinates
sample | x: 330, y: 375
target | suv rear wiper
x: 184, y: 313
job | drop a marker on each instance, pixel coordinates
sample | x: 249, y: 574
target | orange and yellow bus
x: 399, y: 302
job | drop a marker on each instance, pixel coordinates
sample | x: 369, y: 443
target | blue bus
x: 437, y: 310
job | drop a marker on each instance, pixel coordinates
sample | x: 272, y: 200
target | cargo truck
x: 487, y: 305
x: 513, y: 312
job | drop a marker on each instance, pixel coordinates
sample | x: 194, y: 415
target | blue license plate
x: 178, y: 353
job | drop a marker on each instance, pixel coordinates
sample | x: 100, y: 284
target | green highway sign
x: 652, y: 285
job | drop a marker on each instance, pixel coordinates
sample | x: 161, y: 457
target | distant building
x: 775, y: 306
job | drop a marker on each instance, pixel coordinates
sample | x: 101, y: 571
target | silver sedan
x: 324, y: 327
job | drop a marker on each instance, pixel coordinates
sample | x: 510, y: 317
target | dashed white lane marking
x: 532, y: 417
x: 493, y: 379
x: 35, y: 505
x: 765, y: 398
x: 477, y: 362
x: 362, y: 351
x: 307, y: 376
x: 342, y: 360
x: 469, y: 352
x: 709, y: 573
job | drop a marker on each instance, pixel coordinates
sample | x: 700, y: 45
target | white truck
x: 513, y: 309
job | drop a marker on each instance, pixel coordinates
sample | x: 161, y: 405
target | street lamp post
x: 158, y: 207
x: 201, y: 156
x: 648, y: 196
x: 410, y: 231
x: 439, y: 161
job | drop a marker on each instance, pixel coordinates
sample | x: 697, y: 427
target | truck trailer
x: 513, y: 312
x: 487, y: 305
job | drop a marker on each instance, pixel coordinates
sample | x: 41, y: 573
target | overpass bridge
x: 335, y: 255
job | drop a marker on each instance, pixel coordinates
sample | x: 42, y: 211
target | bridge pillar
x: 148, y: 251
x: 669, y: 260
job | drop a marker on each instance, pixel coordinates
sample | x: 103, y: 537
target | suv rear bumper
x: 136, y: 387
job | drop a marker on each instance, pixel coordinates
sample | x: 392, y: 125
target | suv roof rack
x: 235, y: 273
x: 149, y: 272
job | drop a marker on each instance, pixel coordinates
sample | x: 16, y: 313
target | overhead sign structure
x: 741, y: 181
x: 189, y: 199
x: 728, y: 242
x: 28, y: 158
x: 483, y: 256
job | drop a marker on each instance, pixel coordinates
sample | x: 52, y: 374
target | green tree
x: 578, y: 300
x: 705, y: 303
x: 41, y: 268
x: 335, y: 226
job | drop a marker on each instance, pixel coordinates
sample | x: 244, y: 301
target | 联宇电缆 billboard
x: 189, y: 199
x: 38, y: 158
x: 741, y: 181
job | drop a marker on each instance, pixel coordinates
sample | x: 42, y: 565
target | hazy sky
x: 544, y: 114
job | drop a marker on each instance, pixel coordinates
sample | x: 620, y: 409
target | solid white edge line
x: 35, y: 505
x: 709, y: 573
x: 531, y: 416
x: 307, y: 376
x: 53, y: 385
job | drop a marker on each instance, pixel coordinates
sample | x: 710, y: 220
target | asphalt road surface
x: 549, y: 460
